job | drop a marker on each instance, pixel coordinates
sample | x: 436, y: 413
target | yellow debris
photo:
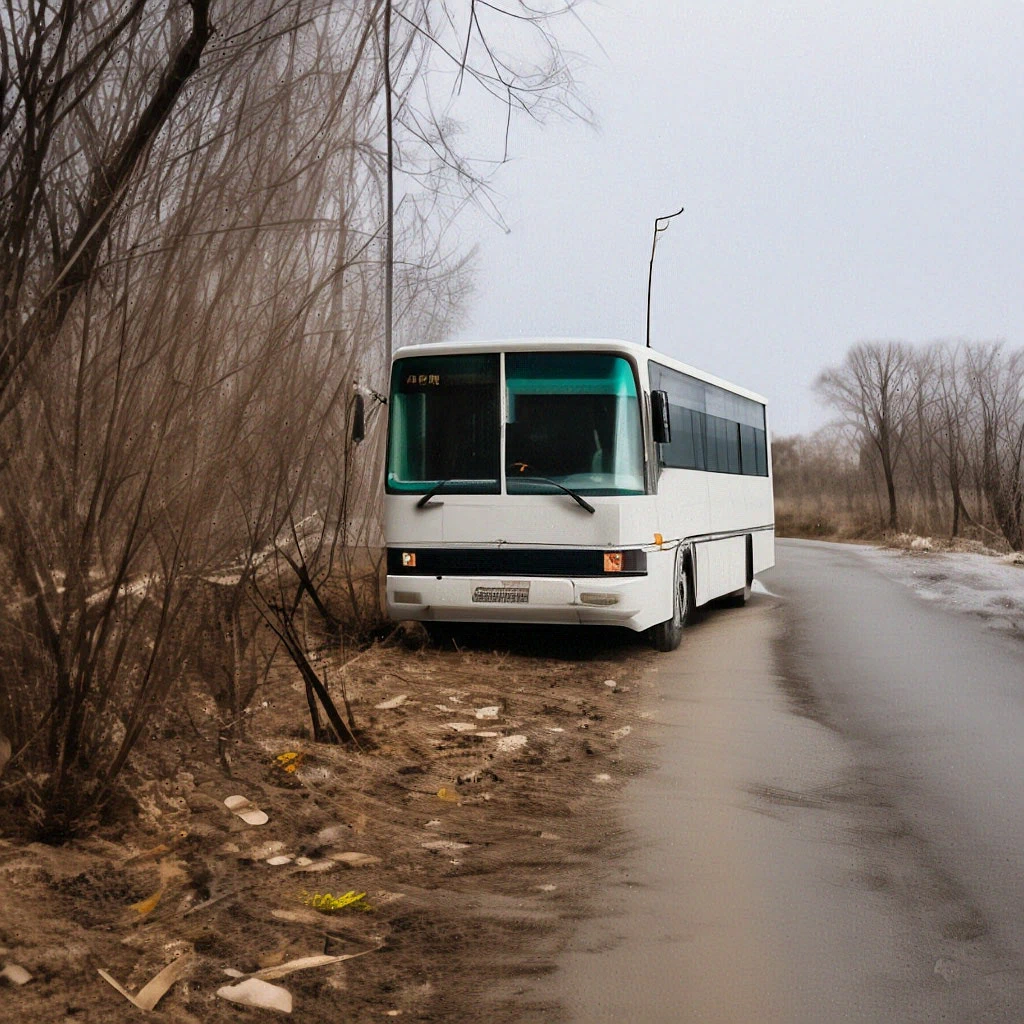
x: 328, y: 904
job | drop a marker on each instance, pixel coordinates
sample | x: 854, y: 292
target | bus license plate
x: 506, y: 593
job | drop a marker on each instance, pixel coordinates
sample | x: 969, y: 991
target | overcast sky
x: 850, y: 170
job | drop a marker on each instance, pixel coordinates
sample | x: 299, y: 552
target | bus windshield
x: 573, y: 419
x: 445, y: 425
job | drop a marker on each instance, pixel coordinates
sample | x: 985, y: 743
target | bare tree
x: 61, y: 180
x: 997, y: 384
x: 192, y: 298
x: 872, y: 390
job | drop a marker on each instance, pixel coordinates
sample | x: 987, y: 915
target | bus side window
x: 748, y: 448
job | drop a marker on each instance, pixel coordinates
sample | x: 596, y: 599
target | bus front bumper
x: 630, y: 601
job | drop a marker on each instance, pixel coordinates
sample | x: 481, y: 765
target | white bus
x: 571, y: 481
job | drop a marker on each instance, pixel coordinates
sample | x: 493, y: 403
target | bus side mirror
x: 358, y: 420
x: 660, y: 423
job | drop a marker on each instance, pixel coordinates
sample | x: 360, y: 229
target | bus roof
x: 639, y: 352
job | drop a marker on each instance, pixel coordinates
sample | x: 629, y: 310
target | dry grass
x: 453, y: 929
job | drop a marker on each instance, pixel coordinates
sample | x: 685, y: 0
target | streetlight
x: 660, y: 225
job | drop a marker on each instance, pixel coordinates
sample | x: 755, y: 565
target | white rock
x: 603, y: 777
x: 489, y: 712
x: 486, y: 734
x: 352, y: 859
x: 276, y: 862
x: 15, y: 974
x: 610, y: 683
x: 333, y: 833
x: 445, y: 844
x: 461, y: 726
x: 270, y: 849
x: 261, y: 994
x: 319, y: 865
x: 393, y: 702
x: 509, y: 743
x: 619, y: 734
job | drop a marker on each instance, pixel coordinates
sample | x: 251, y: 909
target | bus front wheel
x: 667, y: 635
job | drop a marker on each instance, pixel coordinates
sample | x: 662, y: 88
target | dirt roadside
x: 486, y: 788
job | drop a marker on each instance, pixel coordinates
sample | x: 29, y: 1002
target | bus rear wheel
x: 667, y: 635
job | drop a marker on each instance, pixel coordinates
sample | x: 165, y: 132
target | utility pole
x: 660, y: 225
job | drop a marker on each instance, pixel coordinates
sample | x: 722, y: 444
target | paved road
x: 834, y: 829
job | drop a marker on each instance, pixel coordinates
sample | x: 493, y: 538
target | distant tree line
x: 927, y: 439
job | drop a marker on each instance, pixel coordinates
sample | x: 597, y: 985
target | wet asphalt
x: 832, y: 827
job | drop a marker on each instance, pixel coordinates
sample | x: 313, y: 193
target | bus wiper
x: 433, y: 492
x: 579, y: 499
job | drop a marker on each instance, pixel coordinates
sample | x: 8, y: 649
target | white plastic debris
x: 486, y: 734
x: 489, y: 712
x: 305, y: 963
x: 261, y: 994
x: 509, y: 743
x: 393, y: 702
x: 246, y: 810
x: 610, y: 683
x: 547, y: 888
x: 156, y: 988
x: 603, y: 777
x: 555, y: 728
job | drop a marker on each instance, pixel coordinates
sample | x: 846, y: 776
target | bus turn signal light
x: 613, y: 561
x: 409, y: 559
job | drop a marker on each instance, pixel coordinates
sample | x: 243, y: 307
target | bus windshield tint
x: 445, y: 425
x: 575, y: 419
